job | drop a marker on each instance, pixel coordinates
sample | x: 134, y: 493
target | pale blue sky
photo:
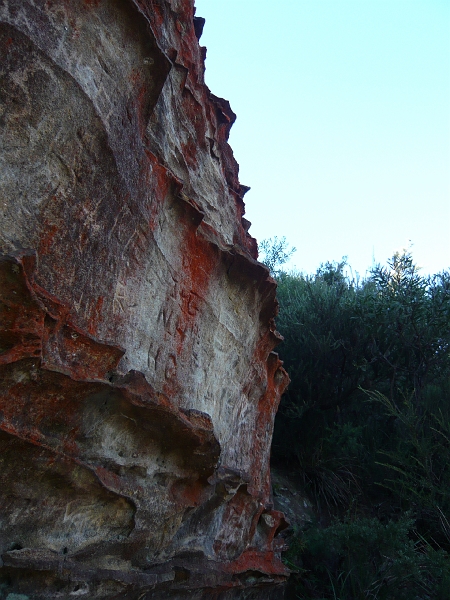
x: 343, y: 128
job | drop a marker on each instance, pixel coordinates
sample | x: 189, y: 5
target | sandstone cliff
x: 138, y: 379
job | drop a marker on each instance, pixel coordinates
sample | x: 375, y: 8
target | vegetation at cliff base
x: 365, y: 427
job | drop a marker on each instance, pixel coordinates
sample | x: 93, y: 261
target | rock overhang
x: 137, y: 364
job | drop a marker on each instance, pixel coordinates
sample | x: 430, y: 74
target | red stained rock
x: 138, y: 380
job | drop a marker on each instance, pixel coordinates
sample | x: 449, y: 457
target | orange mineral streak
x: 199, y: 264
x: 31, y: 413
x: 254, y: 560
x: 21, y: 315
x: 153, y: 9
x: 160, y: 183
x: 189, y: 493
x: 91, y: 3
x: 96, y: 316
x: 47, y: 240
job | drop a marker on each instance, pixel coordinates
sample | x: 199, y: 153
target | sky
x: 343, y: 123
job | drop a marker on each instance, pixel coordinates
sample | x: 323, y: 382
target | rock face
x: 138, y: 378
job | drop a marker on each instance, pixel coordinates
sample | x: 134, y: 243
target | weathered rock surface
x: 138, y: 379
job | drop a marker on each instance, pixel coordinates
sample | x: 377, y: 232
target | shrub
x: 365, y: 424
x: 365, y: 558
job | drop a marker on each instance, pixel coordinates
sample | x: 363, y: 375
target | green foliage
x: 275, y: 253
x: 418, y: 462
x: 365, y: 423
x: 365, y: 558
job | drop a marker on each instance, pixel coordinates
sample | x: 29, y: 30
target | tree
x: 365, y: 422
x: 275, y: 253
x: 345, y: 341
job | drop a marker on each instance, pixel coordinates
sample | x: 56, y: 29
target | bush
x: 365, y: 424
x: 364, y: 558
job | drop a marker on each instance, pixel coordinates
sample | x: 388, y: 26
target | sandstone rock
x: 138, y: 379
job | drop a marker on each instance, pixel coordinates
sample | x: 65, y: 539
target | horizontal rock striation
x: 138, y: 379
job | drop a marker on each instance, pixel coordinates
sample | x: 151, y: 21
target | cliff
x: 138, y: 379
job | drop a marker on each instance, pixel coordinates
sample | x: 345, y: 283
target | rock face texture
x: 138, y: 382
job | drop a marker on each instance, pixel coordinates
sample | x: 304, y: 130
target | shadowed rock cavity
x: 138, y: 379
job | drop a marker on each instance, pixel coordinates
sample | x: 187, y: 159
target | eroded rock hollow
x: 138, y: 379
